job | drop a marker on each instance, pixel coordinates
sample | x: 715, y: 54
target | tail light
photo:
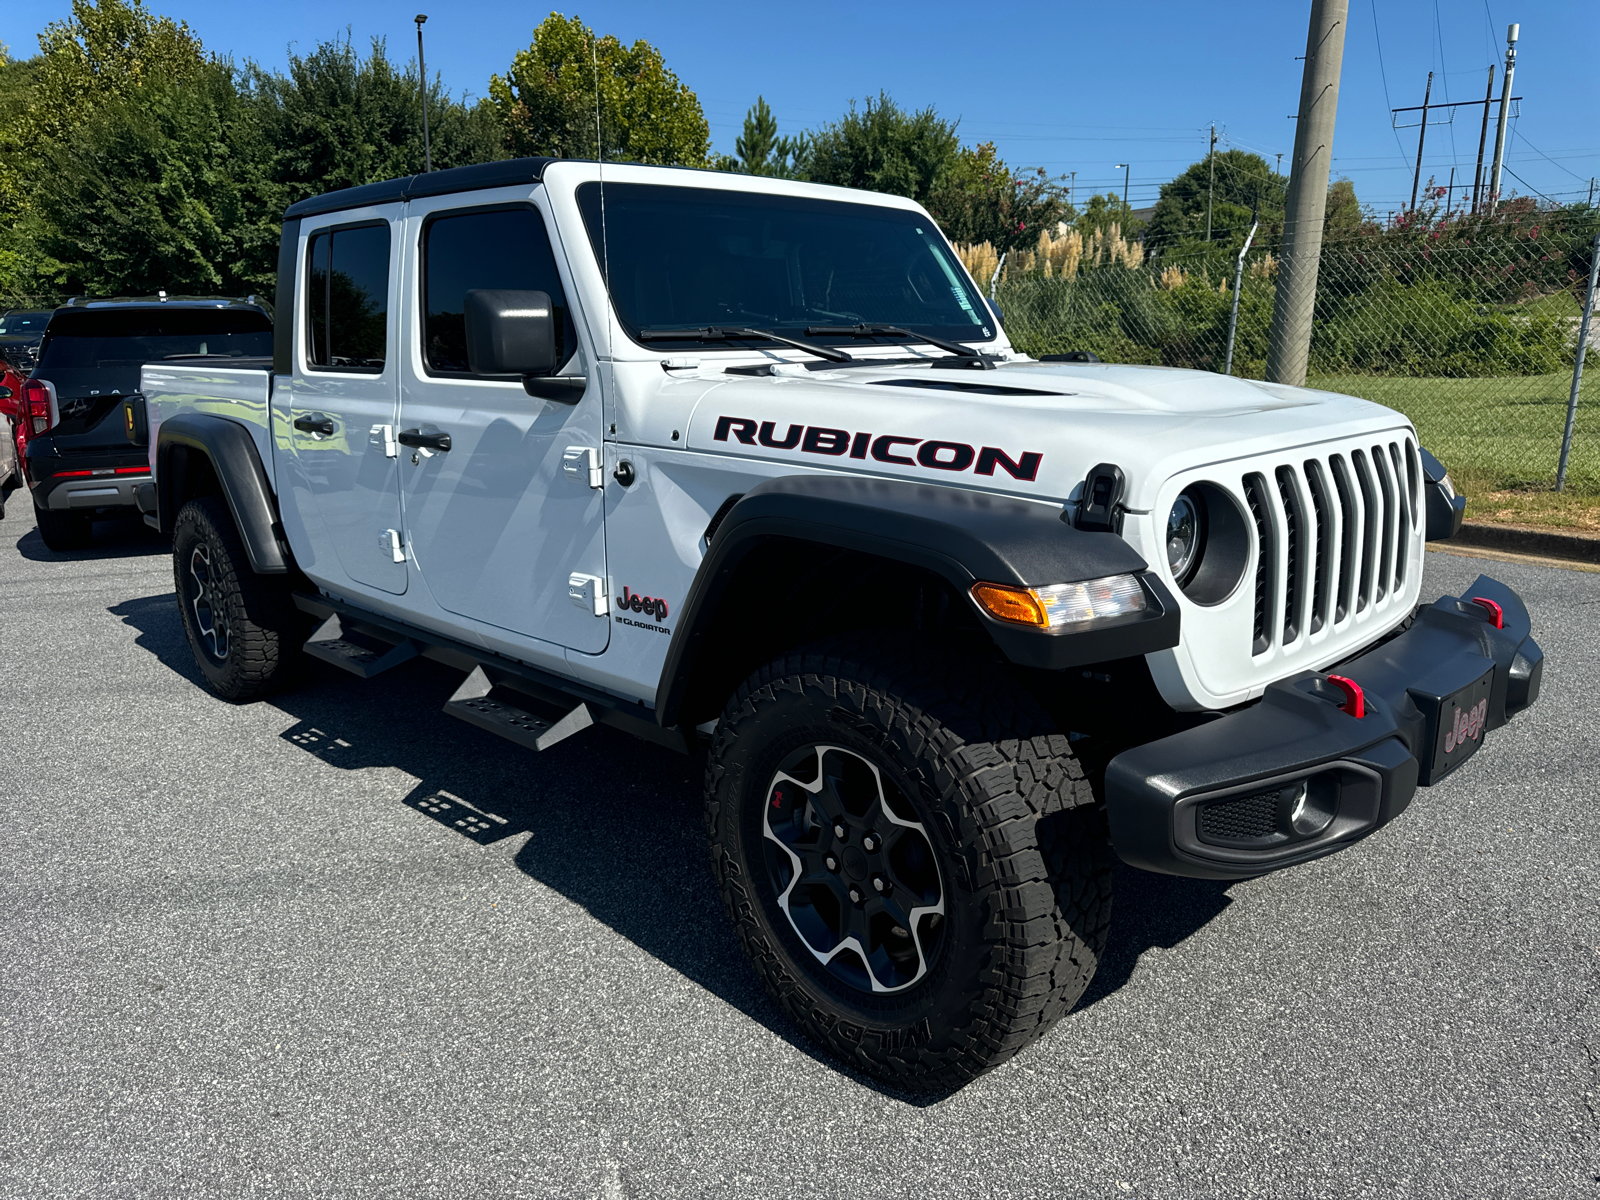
x: 39, y: 411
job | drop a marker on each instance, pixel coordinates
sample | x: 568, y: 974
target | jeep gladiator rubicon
x: 750, y: 466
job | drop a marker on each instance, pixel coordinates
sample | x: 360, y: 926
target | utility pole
x: 1505, y: 113
x: 1416, y: 176
x: 1450, y: 192
x: 1483, y: 136
x: 1071, y: 183
x: 1126, y: 167
x: 1289, y: 341
x: 422, y: 69
x: 1211, y: 187
x: 1280, y: 162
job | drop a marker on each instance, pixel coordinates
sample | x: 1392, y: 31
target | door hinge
x: 588, y: 592
x: 389, y: 542
x: 384, y: 435
x: 578, y: 459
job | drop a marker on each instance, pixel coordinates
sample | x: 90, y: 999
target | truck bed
x: 239, y: 391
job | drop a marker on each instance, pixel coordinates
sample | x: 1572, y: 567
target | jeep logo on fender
x: 632, y: 602
x: 885, y: 447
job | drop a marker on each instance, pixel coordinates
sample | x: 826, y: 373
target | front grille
x: 1255, y: 488
x: 1251, y: 818
x: 1341, y: 547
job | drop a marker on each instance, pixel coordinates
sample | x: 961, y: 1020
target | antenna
x: 600, y: 167
x: 422, y: 69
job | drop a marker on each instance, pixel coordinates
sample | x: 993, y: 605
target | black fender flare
x: 240, y: 474
x: 962, y: 535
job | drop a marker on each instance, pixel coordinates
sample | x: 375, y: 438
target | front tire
x: 243, y: 628
x: 65, y: 530
x: 910, y: 855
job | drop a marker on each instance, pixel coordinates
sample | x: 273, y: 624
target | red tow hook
x: 1495, y: 617
x: 1355, y: 700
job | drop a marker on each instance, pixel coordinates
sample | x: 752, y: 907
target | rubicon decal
x: 633, y: 602
x: 884, y: 447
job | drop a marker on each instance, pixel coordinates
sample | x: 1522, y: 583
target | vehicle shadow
x: 611, y: 823
x: 116, y: 537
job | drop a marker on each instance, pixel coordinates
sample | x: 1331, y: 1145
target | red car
x: 11, y: 428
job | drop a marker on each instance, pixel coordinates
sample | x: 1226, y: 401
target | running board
x: 328, y: 643
x: 474, y: 705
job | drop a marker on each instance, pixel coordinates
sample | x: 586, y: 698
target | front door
x: 498, y: 522
x: 344, y: 491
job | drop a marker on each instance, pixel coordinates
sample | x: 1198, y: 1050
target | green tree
x: 93, y: 59
x: 883, y: 148
x: 1343, y: 217
x: 146, y: 194
x: 1245, y: 184
x: 1103, y: 211
x: 982, y: 200
x: 547, y: 100
x: 761, y: 150
x: 339, y: 120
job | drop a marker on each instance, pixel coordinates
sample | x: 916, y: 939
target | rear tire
x: 962, y: 963
x: 243, y: 628
x: 65, y: 530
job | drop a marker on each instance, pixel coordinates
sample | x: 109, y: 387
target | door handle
x: 431, y: 441
x: 314, y: 424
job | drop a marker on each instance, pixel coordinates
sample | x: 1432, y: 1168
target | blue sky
x: 1069, y: 87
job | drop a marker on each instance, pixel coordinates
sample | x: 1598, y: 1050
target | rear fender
x: 231, y: 452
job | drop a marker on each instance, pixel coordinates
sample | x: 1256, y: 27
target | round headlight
x: 1183, y: 538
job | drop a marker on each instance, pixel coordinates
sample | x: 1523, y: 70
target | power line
x: 1519, y: 134
x: 1383, y: 75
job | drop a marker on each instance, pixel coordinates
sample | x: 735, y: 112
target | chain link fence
x: 1468, y: 327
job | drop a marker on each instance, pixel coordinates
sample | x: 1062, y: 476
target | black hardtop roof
x: 478, y: 176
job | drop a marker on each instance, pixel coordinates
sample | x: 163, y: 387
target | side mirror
x: 10, y: 406
x: 514, y: 333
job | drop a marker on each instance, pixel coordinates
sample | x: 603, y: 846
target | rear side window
x: 110, y: 338
x: 484, y: 248
x: 349, y: 298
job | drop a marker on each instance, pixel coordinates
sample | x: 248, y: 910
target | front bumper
x: 1295, y: 776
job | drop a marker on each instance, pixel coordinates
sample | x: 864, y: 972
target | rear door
x: 344, y: 489
x: 495, y: 523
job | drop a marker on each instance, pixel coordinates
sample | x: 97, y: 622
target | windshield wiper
x: 723, y: 333
x: 894, y: 331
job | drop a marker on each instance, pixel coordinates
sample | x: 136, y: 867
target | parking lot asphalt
x: 339, y: 945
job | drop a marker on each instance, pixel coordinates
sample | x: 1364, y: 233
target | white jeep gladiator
x: 749, y: 468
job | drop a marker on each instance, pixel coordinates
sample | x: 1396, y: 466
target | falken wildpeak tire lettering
x: 1022, y: 850
x: 264, y: 629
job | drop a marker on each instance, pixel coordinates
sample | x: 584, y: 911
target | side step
x: 473, y: 703
x: 330, y: 645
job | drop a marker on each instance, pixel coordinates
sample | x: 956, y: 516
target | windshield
x: 103, y: 351
x: 16, y: 323
x: 687, y: 258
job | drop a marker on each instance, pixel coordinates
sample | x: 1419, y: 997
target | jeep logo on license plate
x: 1457, y: 722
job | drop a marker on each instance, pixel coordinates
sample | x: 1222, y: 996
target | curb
x: 1523, y: 539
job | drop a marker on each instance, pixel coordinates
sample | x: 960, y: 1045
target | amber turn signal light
x: 1016, y: 605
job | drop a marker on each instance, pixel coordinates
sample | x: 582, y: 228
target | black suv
x: 80, y: 460
x: 20, y: 331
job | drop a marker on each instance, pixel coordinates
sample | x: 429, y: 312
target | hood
x: 1034, y: 429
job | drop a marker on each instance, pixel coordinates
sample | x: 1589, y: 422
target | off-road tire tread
x: 266, y: 630
x: 1029, y: 829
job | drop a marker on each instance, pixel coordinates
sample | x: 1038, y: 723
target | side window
x: 488, y: 248
x: 349, y: 298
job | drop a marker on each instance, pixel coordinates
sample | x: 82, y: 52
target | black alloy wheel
x: 210, y: 612
x: 243, y: 629
x: 852, y: 868
x: 910, y: 855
